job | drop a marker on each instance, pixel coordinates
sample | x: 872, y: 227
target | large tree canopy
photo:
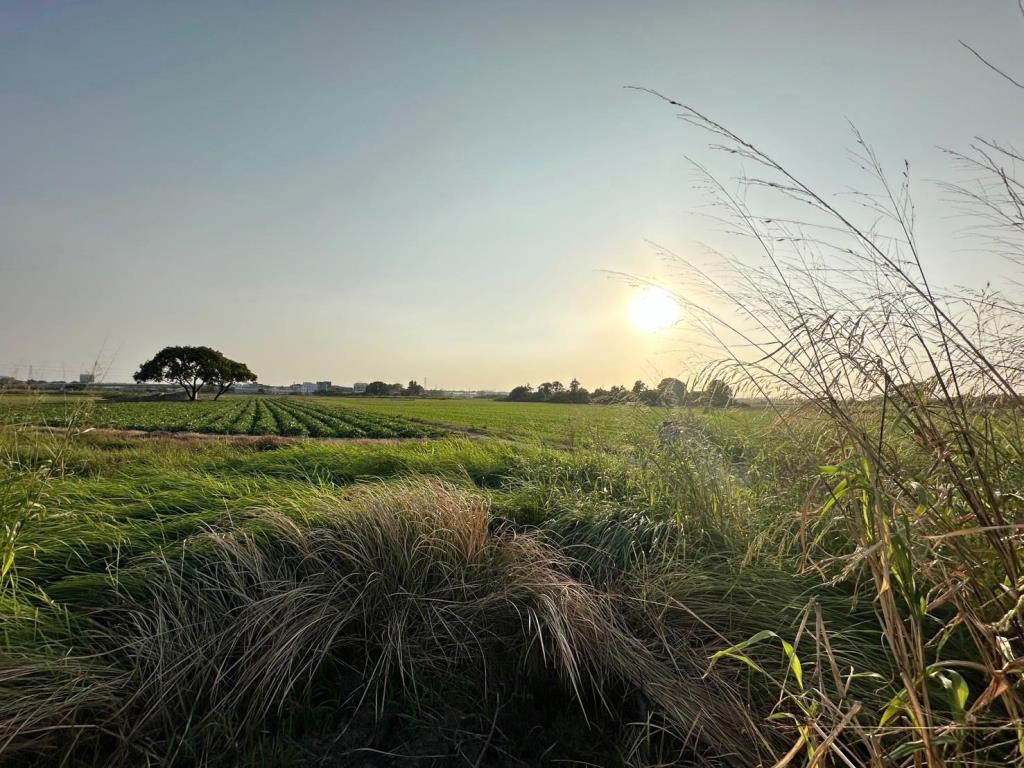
x: 192, y: 368
x: 228, y: 373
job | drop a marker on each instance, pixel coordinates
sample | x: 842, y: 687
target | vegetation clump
x: 331, y: 610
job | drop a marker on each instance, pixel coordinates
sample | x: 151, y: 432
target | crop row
x: 363, y: 424
x: 253, y: 416
x: 171, y: 417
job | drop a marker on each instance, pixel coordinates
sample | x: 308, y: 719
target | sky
x: 441, y: 191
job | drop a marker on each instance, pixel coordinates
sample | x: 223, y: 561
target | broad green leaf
x: 896, y: 707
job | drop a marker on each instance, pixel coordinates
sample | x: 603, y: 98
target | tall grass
x: 27, y: 469
x: 399, y: 591
x: 208, y: 602
x: 918, y: 391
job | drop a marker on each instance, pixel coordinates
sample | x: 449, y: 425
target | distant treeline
x: 670, y: 392
x: 383, y: 389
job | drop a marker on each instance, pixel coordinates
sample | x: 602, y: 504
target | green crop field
x: 552, y: 422
x: 229, y: 416
x: 354, y: 417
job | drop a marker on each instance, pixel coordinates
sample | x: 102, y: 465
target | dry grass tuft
x: 389, y: 592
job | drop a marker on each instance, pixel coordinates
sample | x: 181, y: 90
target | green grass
x: 228, y: 602
x: 126, y: 528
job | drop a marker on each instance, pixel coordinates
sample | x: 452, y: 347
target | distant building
x: 360, y: 387
x: 465, y: 394
x: 87, y: 378
x: 323, y: 386
x: 50, y: 386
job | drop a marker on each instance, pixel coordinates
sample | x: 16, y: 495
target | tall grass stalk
x: 27, y: 469
x: 921, y: 492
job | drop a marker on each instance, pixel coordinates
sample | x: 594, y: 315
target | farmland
x: 259, y: 574
x: 523, y: 523
x: 552, y: 422
x: 483, y: 531
x: 229, y: 416
x: 562, y: 424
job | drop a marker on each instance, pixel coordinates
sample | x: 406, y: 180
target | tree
x: 719, y: 394
x: 617, y: 394
x: 672, y: 391
x: 415, y: 389
x: 574, y: 394
x: 191, y: 368
x: 377, y: 388
x: 521, y: 393
x: 226, y: 373
x: 638, y: 387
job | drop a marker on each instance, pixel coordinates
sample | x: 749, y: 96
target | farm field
x: 505, y: 593
x: 562, y: 423
x: 229, y: 416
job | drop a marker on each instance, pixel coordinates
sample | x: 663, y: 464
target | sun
x: 653, y: 309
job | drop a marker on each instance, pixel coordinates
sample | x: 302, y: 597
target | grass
x: 185, y: 601
x: 707, y: 598
x: 239, y: 586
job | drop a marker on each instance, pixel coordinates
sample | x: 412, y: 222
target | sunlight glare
x: 653, y: 309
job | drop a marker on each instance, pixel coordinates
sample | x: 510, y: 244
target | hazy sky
x: 430, y: 189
